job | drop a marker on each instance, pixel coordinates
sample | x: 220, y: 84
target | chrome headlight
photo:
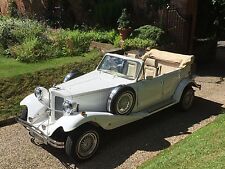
x: 38, y: 93
x: 42, y: 95
x: 69, y: 107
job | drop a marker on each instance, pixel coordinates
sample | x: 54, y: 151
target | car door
x: 149, y: 92
x: 170, y: 82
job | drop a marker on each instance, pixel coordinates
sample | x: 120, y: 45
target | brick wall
x: 34, y: 7
x: 3, y: 7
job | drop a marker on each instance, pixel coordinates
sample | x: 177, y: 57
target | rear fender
x: 183, y: 84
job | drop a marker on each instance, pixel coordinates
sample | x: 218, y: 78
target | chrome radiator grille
x: 58, y: 107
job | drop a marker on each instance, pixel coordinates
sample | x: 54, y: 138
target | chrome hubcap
x: 87, y: 144
x: 124, y: 103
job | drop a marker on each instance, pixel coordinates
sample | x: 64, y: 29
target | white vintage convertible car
x: 121, y: 90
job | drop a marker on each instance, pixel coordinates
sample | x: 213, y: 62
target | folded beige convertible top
x: 182, y: 60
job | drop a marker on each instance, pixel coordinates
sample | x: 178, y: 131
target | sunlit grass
x: 205, y: 149
x: 10, y: 67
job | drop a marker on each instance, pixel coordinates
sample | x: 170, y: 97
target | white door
x: 170, y: 82
x: 149, y: 92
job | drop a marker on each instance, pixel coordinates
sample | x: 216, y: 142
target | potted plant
x: 124, y: 23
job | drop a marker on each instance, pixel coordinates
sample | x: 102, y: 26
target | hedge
x: 13, y: 90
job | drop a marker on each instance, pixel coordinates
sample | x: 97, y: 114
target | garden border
x: 8, y: 122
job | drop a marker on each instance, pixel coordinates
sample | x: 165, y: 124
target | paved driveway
x: 126, y: 147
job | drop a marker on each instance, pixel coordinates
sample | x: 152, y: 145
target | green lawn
x: 10, y: 67
x: 204, y: 149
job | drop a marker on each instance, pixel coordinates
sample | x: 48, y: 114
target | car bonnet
x: 93, y: 81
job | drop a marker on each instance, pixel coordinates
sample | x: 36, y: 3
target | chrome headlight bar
x: 69, y: 107
x: 42, y: 94
x: 38, y: 93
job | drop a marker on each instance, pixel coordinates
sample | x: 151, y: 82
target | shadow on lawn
x: 148, y: 135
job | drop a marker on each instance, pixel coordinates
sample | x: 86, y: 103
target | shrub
x: 27, y: 51
x: 66, y: 42
x: 117, y: 41
x: 138, y: 43
x: 103, y: 36
x: 28, y: 28
x: 145, y: 36
x: 78, y: 42
x: 58, y: 43
x: 22, y: 39
x: 31, y: 41
x: 71, y: 42
x: 33, y: 49
x: 149, y: 32
x: 16, y: 30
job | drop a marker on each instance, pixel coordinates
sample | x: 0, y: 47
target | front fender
x: 33, y: 105
x: 105, y: 120
x: 182, y: 85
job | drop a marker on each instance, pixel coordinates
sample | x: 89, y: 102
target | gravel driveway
x: 126, y: 147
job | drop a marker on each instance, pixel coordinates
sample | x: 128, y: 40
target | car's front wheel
x: 187, y: 99
x: 82, y: 144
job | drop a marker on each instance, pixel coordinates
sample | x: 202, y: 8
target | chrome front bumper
x: 39, y: 135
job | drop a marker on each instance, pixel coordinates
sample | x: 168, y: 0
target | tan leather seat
x: 130, y: 69
x: 150, y: 68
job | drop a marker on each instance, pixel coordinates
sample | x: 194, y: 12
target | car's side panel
x: 170, y: 82
x: 93, y: 101
x: 34, y: 106
x: 105, y: 120
x: 149, y: 92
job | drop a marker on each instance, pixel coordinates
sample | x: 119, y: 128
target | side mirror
x: 73, y: 74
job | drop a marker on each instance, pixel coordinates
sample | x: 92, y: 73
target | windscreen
x: 121, y: 67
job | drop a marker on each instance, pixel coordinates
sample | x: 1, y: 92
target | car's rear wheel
x: 82, y: 144
x: 187, y: 99
x: 122, y: 101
